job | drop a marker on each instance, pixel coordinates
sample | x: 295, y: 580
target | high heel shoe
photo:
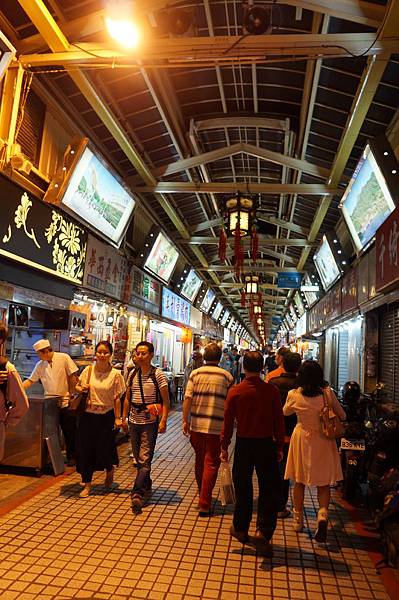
x: 298, y: 521
x: 322, y: 525
x: 109, y: 479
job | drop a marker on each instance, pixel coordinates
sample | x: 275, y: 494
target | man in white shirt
x: 57, y: 374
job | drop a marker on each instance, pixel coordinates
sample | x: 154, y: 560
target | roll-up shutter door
x: 389, y: 351
x: 342, y: 358
x: 31, y: 129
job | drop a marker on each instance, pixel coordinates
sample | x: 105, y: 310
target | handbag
x: 331, y: 425
x: 78, y: 402
x: 227, y: 494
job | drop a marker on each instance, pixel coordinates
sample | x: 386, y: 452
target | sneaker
x: 322, y: 523
x: 262, y: 544
x: 137, y: 505
x: 298, y: 521
x: 283, y: 514
x: 241, y: 536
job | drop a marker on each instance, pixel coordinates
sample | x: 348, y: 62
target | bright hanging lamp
x: 239, y: 220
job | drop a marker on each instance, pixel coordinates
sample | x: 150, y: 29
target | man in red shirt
x: 256, y: 406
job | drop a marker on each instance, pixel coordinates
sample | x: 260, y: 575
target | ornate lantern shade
x: 239, y: 209
x: 251, y: 285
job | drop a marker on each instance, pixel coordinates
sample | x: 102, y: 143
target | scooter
x: 353, y: 444
x: 384, y: 455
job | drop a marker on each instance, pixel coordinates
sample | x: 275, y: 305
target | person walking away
x: 270, y: 360
x: 196, y: 361
x: 58, y: 375
x: 281, y: 352
x: 312, y: 457
x: 256, y: 406
x: 285, y: 382
x: 13, y: 400
x: 203, y: 411
x: 147, y: 388
x: 96, y: 448
x: 235, y: 357
x: 226, y: 362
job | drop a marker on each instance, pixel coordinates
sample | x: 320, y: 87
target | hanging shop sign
x: 301, y: 326
x: 289, y: 280
x: 349, y: 290
x: 332, y: 303
x: 143, y: 291
x: 363, y: 279
x: 175, y: 308
x: 210, y: 328
x: 38, y: 236
x: 105, y: 269
x: 387, y: 248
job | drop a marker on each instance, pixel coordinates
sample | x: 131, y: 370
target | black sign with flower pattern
x: 39, y: 236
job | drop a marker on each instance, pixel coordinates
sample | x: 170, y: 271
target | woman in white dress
x: 313, y: 458
x: 96, y: 449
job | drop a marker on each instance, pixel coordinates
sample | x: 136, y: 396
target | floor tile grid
x: 241, y: 571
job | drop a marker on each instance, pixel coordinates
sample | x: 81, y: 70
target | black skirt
x: 95, y: 444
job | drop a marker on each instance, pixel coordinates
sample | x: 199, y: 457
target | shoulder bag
x: 78, y: 402
x: 331, y: 425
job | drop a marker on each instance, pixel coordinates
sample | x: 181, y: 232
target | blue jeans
x: 143, y: 439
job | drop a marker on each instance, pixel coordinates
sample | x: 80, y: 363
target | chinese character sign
x: 105, y: 269
x: 175, y: 308
x: 387, y: 263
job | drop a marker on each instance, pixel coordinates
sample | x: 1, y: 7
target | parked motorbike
x: 384, y: 455
x: 353, y: 444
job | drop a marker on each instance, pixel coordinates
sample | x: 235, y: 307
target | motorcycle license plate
x: 359, y: 445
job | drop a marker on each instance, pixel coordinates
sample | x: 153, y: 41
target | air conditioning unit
x: 20, y: 162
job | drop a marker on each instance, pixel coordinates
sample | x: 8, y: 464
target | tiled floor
x: 56, y: 545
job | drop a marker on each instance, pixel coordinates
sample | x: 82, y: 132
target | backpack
x: 154, y: 409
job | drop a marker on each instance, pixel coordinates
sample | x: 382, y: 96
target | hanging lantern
x: 257, y: 309
x: 239, y: 210
x: 239, y: 214
x: 251, y: 285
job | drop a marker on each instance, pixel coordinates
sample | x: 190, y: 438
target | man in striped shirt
x: 147, y: 386
x: 203, y: 413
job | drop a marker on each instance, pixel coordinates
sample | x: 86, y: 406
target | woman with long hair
x: 312, y: 457
x: 96, y: 449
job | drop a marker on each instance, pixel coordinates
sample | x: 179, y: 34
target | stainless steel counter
x: 25, y: 444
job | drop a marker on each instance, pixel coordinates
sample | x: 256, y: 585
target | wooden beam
x: 263, y: 241
x: 183, y: 187
x: 211, y: 51
x: 227, y: 151
x: 236, y: 122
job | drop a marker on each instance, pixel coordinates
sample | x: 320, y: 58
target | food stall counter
x: 26, y: 445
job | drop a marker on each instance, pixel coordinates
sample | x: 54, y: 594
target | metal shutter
x: 388, y: 369
x: 31, y: 130
x: 342, y: 358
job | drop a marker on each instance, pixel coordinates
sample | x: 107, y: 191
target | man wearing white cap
x: 57, y: 373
